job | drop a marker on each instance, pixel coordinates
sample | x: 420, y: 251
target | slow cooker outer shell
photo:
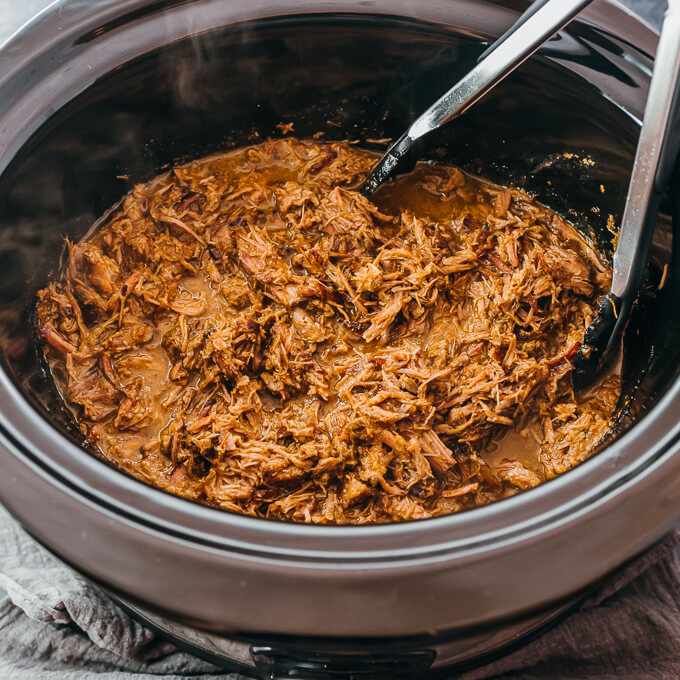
x: 226, y: 573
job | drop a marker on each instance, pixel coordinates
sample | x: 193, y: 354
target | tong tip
x: 398, y: 157
x: 599, y: 339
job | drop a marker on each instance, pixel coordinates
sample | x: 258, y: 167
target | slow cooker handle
x: 276, y: 664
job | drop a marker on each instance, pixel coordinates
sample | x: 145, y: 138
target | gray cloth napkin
x: 55, y: 626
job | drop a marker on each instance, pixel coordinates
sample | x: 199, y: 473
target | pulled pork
x: 250, y: 332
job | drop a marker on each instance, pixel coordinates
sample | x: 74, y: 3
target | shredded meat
x: 250, y: 332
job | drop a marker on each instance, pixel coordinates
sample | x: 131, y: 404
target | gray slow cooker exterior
x: 224, y: 572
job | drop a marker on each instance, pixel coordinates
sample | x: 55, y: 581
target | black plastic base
x: 428, y: 656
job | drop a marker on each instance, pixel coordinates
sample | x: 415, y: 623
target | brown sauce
x: 249, y: 332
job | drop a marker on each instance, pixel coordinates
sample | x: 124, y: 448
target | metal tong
x: 535, y: 27
x: 655, y: 158
x: 656, y: 154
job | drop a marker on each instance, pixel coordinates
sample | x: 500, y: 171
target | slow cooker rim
x: 88, y: 467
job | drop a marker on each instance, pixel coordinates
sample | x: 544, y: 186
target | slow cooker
x: 95, y: 97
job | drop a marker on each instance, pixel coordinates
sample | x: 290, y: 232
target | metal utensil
x: 536, y: 26
x: 655, y: 158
